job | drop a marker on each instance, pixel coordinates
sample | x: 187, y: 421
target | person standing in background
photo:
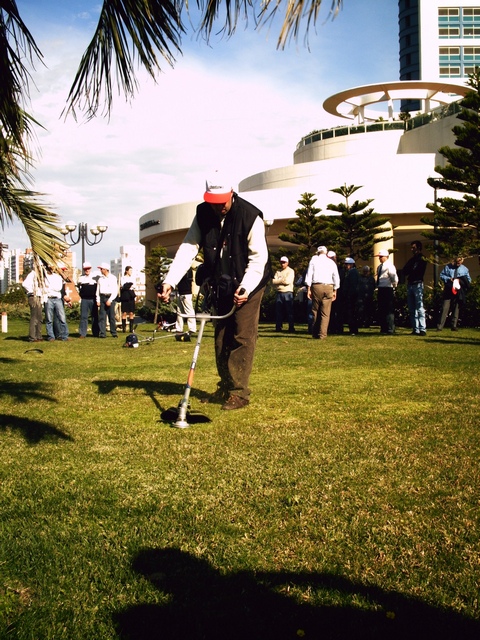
x: 283, y: 282
x: 185, y: 303
x: 87, y: 289
x: 387, y: 280
x: 414, y: 270
x: 36, y: 299
x: 107, y: 292
x: 127, y: 299
x: 322, y: 280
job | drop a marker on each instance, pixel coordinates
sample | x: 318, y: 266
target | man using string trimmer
x: 231, y: 233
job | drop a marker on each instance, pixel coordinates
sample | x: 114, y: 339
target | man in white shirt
x: 322, y: 280
x: 54, y: 308
x: 283, y: 282
x: 36, y: 299
x: 231, y: 233
x: 387, y: 280
x: 107, y: 292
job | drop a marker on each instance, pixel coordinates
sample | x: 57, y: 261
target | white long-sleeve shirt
x: 387, y: 275
x: 33, y: 287
x: 107, y: 285
x: 188, y: 250
x: 322, y: 270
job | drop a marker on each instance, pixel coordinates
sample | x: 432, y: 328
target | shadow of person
x: 202, y: 603
x: 34, y: 431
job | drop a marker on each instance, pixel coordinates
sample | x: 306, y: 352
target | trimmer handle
x: 207, y: 316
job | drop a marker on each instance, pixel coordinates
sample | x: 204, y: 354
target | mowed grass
x: 344, y: 502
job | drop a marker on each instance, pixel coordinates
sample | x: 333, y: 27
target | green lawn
x: 343, y: 503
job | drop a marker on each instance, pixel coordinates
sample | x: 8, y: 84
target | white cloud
x: 240, y: 105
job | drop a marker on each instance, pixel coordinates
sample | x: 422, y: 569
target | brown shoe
x: 235, y: 402
x: 218, y: 397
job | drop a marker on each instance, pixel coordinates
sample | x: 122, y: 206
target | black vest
x: 233, y: 237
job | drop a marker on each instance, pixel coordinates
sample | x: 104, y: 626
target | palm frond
x: 126, y: 30
x: 17, y: 200
x: 16, y: 46
x: 41, y: 224
x: 296, y: 13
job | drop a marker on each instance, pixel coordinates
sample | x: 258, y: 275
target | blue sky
x: 238, y: 104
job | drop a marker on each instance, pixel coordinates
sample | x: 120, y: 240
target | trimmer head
x: 172, y: 415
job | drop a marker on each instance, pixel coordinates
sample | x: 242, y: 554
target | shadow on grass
x: 454, y: 340
x: 201, y: 603
x: 149, y: 387
x: 25, y: 391
x: 34, y: 431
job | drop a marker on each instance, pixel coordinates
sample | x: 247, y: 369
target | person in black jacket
x: 414, y: 270
x: 350, y: 294
x: 127, y: 299
x: 231, y: 233
x: 87, y: 289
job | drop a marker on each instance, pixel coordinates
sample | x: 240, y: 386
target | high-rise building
x: 439, y: 40
x: 131, y: 255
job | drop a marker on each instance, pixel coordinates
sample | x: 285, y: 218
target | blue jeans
x: 284, y: 309
x: 104, y: 311
x: 54, y: 309
x: 88, y: 308
x: 416, y: 308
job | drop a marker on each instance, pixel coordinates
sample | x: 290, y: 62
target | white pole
x: 4, y: 322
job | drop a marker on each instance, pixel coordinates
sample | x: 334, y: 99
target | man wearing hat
x: 283, y: 282
x: 387, y: 280
x: 54, y: 305
x: 231, y: 233
x: 322, y: 280
x: 87, y: 289
x: 107, y: 292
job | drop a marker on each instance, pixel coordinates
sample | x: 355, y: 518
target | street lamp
x: 82, y: 236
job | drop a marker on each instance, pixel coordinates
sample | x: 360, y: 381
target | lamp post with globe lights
x: 97, y: 232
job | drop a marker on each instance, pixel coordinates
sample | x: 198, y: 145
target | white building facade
x: 390, y: 160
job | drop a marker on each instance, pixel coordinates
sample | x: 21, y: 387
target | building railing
x: 382, y: 125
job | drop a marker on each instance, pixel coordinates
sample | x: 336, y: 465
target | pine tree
x: 307, y: 230
x: 456, y: 220
x: 356, y: 230
x: 157, y: 265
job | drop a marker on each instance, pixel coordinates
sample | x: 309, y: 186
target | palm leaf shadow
x: 34, y: 431
x: 25, y: 391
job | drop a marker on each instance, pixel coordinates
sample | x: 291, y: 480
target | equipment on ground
x: 177, y: 416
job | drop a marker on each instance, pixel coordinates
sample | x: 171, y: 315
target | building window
x: 458, y: 61
x: 471, y: 32
x: 449, y: 11
x: 449, y: 32
x: 449, y: 53
x: 471, y: 13
x: 450, y: 72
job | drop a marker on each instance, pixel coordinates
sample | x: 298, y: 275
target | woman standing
x: 127, y: 299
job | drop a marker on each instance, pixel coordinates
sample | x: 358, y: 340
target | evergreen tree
x: 307, y: 230
x: 456, y: 220
x: 157, y: 264
x: 356, y: 230
x: 156, y: 268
